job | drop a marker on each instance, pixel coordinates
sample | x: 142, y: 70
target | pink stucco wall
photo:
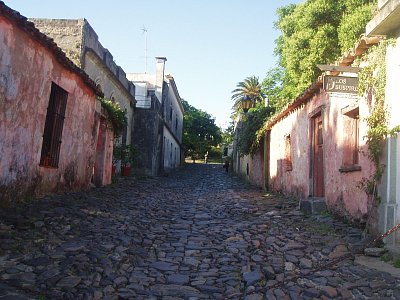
x: 104, y: 153
x: 27, y: 70
x: 342, y: 193
x: 256, y: 167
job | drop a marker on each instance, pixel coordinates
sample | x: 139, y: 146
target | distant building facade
x: 81, y: 44
x: 158, y: 121
x: 49, y: 116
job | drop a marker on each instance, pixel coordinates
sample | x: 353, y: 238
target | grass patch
x: 386, y: 257
x: 396, y: 263
x: 325, y: 214
x: 321, y: 228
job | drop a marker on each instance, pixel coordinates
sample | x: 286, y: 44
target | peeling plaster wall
x: 293, y: 182
x: 342, y: 194
x: 102, y: 174
x: 26, y: 71
x: 254, y: 173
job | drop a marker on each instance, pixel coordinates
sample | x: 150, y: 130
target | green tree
x: 315, y: 32
x: 252, y: 122
x: 272, y: 87
x: 200, y: 133
x: 227, y: 134
x: 248, y: 89
x: 353, y: 24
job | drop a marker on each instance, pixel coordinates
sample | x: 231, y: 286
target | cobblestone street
x: 198, y: 234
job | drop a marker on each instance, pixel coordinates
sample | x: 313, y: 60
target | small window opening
x: 350, y: 144
x: 288, y: 153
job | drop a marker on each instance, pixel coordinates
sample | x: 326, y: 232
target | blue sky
x: 210, y: 45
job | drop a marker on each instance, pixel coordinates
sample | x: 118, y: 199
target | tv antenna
x: 144, y: 31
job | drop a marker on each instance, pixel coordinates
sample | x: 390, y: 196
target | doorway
x: 317, y: 156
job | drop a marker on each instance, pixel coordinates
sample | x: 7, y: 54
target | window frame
x: 351, y: 158
x: 53, y: 128
x: 288, y: 153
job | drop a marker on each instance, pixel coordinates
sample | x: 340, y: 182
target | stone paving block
x: 196, y: 234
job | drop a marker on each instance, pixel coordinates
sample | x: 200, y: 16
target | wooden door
x: 318, y: 157
x: 99, y: 163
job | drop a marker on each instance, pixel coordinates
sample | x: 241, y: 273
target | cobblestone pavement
x: 197, y: 234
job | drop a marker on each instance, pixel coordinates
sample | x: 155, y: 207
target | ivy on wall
x: 372, y: 82
x: 116, y: 116
x: 249, y: 138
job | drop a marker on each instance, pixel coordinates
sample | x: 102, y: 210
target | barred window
x: 53, y: 127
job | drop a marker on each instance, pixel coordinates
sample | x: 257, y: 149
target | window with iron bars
x: 53, y: 127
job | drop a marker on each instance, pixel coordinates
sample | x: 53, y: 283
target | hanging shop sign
x: 341, y: 84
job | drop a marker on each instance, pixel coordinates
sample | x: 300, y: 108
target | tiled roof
x: 362, y: 44
x: 297, y: 103
x: 28, y: 27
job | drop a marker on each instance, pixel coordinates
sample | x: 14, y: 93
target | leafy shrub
x: 116, y: 116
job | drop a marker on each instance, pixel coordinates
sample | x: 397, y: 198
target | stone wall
x: 251, y: 167
x: 68, y: 35
x: 81, y: 43
x: 91, y: 41
x: 148, y: 127
x: 158, y: 121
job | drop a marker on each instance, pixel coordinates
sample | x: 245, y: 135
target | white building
x: 158, y: 121
x: 386, y: 22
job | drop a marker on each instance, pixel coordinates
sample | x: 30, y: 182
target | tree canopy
x: 313, y: 32
x: 200, y: 133
x: 252, y: 122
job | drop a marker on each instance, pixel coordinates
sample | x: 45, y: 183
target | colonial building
x: 81, y: 44
x: 158, y: 121
x: 317, y: 151
x: 314, y: 149
x: 386, y: 22
x: 49, y: 116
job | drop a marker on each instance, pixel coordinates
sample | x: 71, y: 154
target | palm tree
x: 247, y: 94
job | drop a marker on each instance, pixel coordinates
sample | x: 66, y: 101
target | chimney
x: 160, y: 67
